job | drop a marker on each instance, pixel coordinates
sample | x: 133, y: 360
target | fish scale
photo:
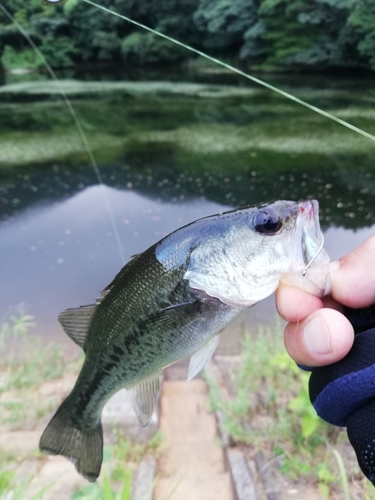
x: 171, y: 301
x: 141, y: 344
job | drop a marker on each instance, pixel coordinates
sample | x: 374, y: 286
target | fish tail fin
x: 84, y: 447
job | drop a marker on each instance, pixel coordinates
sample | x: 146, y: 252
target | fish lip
x: 312, y: 238
x: 309, y: 270
x: 309, y: 209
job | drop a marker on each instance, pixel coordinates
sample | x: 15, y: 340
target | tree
x: 47, y: 27
x: 224, y: 23
x: 170, y: 17
x: 307, y: 33
x: 96, y: 35
x: 298, y: 34
x: 362, y: 20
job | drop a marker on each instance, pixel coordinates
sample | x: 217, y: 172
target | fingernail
x: 317, y: 337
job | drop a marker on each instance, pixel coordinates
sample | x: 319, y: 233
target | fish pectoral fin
x: 202, y: 356
x: 144, y: 396
x: 76, y: 322
x: 173, y: 317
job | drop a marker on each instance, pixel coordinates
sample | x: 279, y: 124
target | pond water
x: 168, y: 153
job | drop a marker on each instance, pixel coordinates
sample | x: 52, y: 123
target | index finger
x: 353, y: 284
x: 294, y: 304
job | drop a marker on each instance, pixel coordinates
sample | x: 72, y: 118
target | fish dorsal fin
x: 103, y: 294
x: 76, y: 322
x: 121, y: 275
x: 202, y: 356
x: 144, y: 396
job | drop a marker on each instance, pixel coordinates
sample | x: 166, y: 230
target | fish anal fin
x: 76, y: 322
x: 202, y: 356
x: 144, y: 396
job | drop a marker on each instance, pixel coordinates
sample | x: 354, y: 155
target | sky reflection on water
x: 63, y: 255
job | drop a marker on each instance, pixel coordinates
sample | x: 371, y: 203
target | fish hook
x: 315, y: 256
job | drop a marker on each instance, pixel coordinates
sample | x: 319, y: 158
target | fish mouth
x: 312, y: 239
x: 309, y: 270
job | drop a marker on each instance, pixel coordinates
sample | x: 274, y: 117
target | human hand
x: 318, y: 333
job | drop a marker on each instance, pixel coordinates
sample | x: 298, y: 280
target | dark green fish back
x: 139, y: 291
x: 126, y: 339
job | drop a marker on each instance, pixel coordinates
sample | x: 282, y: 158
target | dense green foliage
x: 302, y: 34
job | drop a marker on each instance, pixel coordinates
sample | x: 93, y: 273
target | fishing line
x: 77, y: 123
x: 238, y: 71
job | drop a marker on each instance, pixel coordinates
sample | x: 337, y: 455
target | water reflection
x: 62, y: 255
x: 346, y: 193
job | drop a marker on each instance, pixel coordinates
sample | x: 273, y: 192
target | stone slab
x: 118, y: 414
x: 143, y: 488
x: 191, y: 462
x: 243, y: 482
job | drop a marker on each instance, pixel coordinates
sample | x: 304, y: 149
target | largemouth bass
x: 173, y: 301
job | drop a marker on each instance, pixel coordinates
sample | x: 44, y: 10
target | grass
x: 105, y: 491
x: 271, y: 411
x: 121, y: 461
x: 11, y: 486
x: 26, y: 364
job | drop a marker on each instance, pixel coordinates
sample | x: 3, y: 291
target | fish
x: 172, y: 301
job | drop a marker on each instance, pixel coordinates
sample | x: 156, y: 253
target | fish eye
x: 266, y: 221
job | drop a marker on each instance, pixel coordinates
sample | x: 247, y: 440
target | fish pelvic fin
x: 83, y: 447
x: 201, y: 357
x: 144, y: 396
x: 76, y: 322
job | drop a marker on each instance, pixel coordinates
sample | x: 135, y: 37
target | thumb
x: 322, y: 338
